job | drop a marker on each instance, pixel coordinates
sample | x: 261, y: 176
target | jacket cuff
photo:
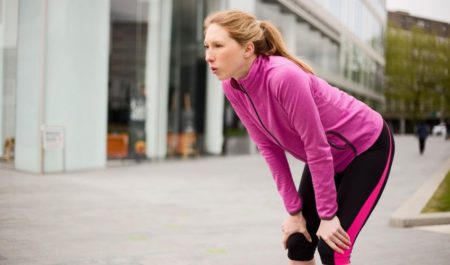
x: 327, y: 218
x: 296, y: 212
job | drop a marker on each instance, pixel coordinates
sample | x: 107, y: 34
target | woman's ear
x: 249, y: 49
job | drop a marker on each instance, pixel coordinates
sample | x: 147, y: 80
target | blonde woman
x: 346, y: 146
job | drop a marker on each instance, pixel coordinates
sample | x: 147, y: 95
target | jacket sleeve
x: 292, y: 87
x: 275, y: 158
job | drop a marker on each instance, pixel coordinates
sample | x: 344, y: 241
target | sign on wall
x: 53, y: 137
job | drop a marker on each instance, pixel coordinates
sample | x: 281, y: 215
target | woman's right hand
x: 294, y: 224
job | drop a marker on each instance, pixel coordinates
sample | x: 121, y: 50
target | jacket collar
x: 251, y: 79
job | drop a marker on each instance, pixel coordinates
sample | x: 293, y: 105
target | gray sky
x: 432, y: 9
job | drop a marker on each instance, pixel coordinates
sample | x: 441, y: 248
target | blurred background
x: 85, y: 84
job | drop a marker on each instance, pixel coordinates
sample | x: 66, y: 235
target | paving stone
x: 219, y: 210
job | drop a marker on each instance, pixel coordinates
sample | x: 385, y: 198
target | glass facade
x: 343, y: 56
x: 127, y: 76
x: 157, y: 83
x: 360, y: 68
x: 126, y: 86
x: 187, y: 87
x: 316, y: 48
x: 359, y: 19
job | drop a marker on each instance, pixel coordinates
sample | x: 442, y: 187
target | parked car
x: 439, y: 129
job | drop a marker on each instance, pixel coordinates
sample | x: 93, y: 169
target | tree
x: 417, y: 73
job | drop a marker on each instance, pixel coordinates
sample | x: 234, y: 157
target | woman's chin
x: 222, y: 77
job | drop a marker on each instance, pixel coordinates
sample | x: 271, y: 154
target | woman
x: 346, y: 146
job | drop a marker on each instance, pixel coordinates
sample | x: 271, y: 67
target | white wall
x: 247, y: 5
x: 2, y: 89
x: 8, y: 49
x: 11, y: 14
x: 77, y: 81
x: 75, y: 85
x: 29, y: 67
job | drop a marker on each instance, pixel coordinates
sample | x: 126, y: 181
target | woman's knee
x: 299, y: 248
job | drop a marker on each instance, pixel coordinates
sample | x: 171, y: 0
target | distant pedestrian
x: 422, y: 134
x: 447, y: 127
x: 347, y: 147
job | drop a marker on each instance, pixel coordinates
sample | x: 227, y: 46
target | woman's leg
x: 300, y: 250
x: 359, y: 188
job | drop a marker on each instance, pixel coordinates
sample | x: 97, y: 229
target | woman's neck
x: 245, y: 68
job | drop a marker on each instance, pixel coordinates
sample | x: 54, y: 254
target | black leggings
x: 358, y: 187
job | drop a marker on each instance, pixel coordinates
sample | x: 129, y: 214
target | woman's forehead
x: 215, y: 32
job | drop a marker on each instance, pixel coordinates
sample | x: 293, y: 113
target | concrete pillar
x: 8, y: 47
x: 215, y: 101
x: 2, y: 50
x: 157, y: 76
x: 62, y: 79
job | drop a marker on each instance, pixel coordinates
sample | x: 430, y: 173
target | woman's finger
x: 307, y: 235
x: 338, y: 242
x: 343, y: 239
x: 342, y: 232
x: 334, y: 246
x: 284, y: 240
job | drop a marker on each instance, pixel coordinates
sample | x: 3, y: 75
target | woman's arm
x: 292, y: 87
x: 274, y: 157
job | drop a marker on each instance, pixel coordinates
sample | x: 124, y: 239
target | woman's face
x: 225, y: 57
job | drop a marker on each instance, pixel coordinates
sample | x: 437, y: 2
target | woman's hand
x: 294, y: 224
x: 334, y: 235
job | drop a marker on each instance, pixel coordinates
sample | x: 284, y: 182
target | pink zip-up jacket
x: 286, y: 109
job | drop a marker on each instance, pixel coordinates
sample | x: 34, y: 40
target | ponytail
x: 272, y: 43
x: 244, y: 27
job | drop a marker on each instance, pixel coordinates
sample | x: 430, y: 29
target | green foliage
x: 440, y: 202
x: 235, y: 132
x: 417, y: 71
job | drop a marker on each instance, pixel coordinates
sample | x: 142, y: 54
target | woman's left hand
x: 334, y: 235
x: 294, y: 224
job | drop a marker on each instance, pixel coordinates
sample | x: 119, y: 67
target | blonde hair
x: 244, y: 27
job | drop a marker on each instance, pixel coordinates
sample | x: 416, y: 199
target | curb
x: 409, y: 214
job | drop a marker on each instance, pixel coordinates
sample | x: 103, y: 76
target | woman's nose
x: 208, y: 56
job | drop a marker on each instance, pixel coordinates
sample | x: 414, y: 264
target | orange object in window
x: 117, y: 145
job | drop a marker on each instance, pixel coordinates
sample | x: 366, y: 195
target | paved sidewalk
x: 221, y: 211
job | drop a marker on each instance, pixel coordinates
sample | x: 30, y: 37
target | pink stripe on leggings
x: 340, y: 259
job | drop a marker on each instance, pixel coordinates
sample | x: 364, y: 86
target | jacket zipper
x: 260, y: 120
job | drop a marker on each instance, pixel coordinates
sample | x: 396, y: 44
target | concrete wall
x: 62, y: 80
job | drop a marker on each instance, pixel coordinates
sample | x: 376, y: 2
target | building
x: 418, y: 56
x: 83, y: 81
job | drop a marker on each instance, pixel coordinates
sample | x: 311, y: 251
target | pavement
x: 411, y: 213
x: 210, y: 210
